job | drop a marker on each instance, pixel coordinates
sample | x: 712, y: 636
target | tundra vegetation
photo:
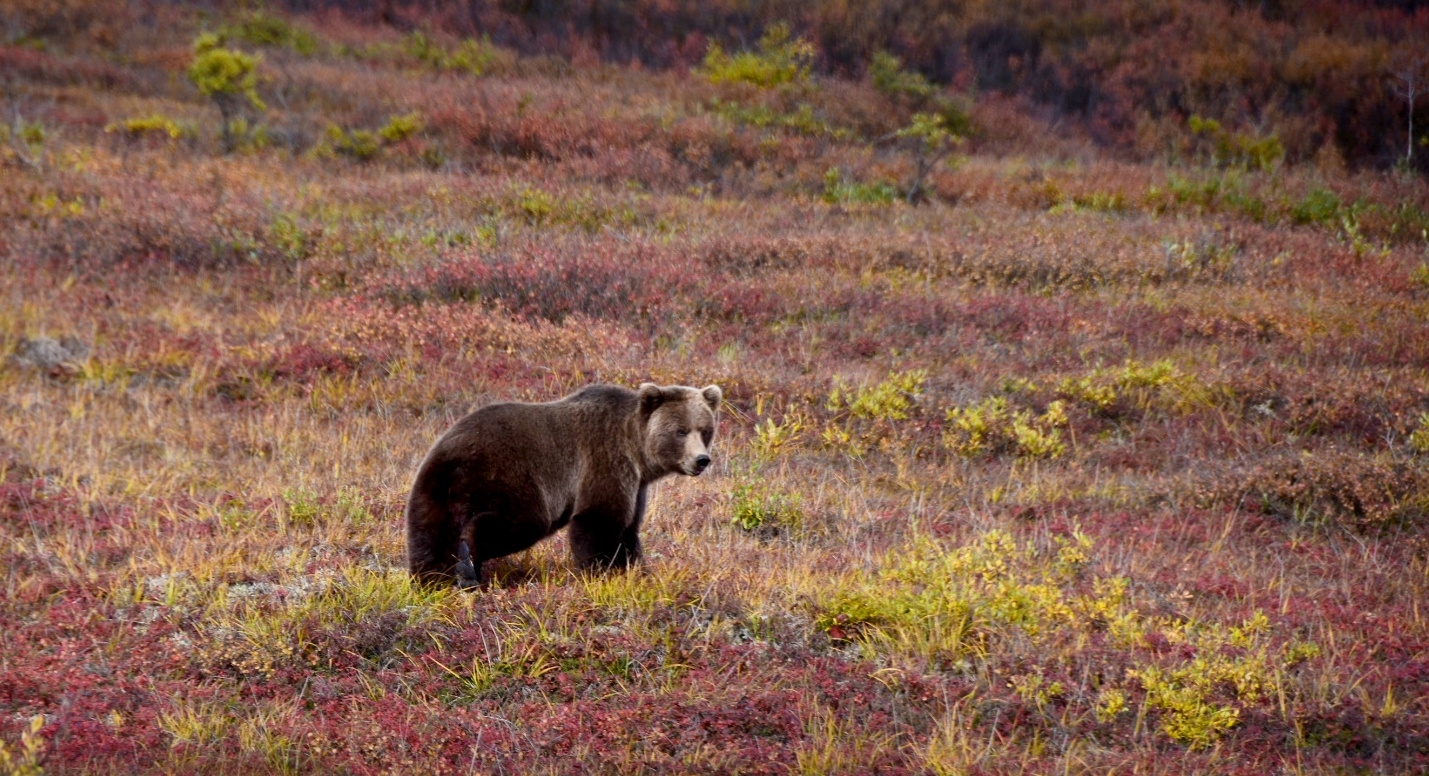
x: 1067, y: 428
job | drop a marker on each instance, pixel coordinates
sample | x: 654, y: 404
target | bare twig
x: 1410, y: 85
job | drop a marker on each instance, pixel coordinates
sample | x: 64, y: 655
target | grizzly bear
x: 511, y: 474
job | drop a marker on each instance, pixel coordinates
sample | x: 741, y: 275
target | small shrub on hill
x: 364, y: 145
x: 867, y: 414
x: 888, y: 76
x: 473, y: 57
x: 1263, y: 153
x: 1205, y: 259
x: 24, y: 141
x: 27, y: 759
x: 1419, y: 438
x: 265, y: 29
x: 399, y: 128
x: 892, y: 398
x: 840, y: 191
x: 771, y: 439
x: 781, y: 59
x: 360, y: 144
x: 945, y: 603
x: 1192, y: 696
x: 1319, y: 206
x: 931, y: 137
x: 766, y: 512
x: 305, y: 509
x: 1159, y: 385
x: 800, y: 120
x: 478, y: 680
x: 992, y: 427
x: 230, y: 78
x: 154, y: 124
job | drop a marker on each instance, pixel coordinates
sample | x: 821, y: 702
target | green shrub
x: 1320, y: 206
x: 1247, y: 204
x: 477, y: 681
x: 1237, y: 658
x: 31, y: 134
x: 476, y: 57
x: 801, y: 120
x: 536, y: 205
x: 227, y: 76
x: 1239, y: 148
x: 400, y: 128
x: 1135, y: 374
x: 1159, y: 384
x: 1420, y: 275
x: 301, y: 506
x: 1101, y: 202
x: 931, y: 137
x: 288, y: 236
x: 264, y: 29
x: 1206, y: 258
x: 1419, y: 438
x: 761, y: 510
x: 1111, y: 701
x: 246, y: 136
x: 992, y: 427
x: 841, y: 192
x: 364, y: 144
x: 1408, y: 220
x: 153, y: 124
x: 424, y: 49
x: 889, y: 77
x: 945, y: 602
x: 891, y: 399
x: 541, y: 208
x: 434, y: 158
x: 772, y: 438
x: 781, y: 59
x: 305, y: 509
x: 24, y: 141
x: 360, y: 144
x: 1203, y: 193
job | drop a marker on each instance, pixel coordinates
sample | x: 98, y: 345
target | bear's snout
x: 701, y: 463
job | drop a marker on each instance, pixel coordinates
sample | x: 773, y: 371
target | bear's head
x: 679, y: 424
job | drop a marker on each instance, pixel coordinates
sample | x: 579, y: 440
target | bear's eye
x: 682, y: 433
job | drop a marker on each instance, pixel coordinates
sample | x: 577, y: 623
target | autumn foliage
x: 1076, y: 412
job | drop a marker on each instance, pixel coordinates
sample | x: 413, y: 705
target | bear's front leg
x: 600, y: 540
x: 629, y: 550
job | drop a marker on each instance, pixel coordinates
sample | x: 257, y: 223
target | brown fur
x: 511, y: 474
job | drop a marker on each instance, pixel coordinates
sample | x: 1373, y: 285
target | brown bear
x: 510, y: 474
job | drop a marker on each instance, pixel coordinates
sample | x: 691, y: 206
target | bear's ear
x: 713, y: 396
x: 651, y: 397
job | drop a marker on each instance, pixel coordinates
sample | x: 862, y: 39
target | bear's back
x: 532, y: 434
x: 615, y: 399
